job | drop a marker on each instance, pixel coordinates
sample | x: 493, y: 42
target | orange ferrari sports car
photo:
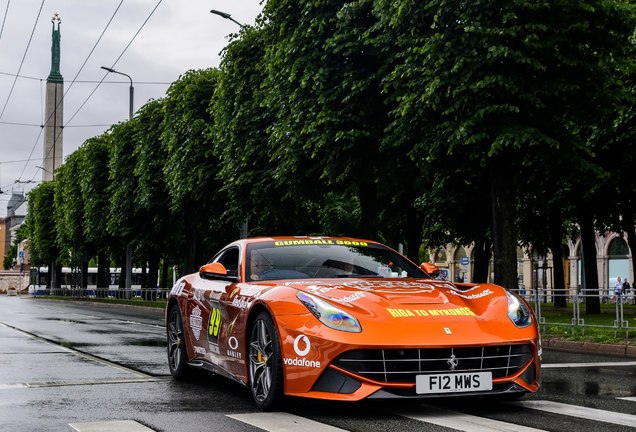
x: 346, y: 319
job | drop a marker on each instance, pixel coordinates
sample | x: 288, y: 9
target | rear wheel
x: 177, y: 354
x: 265, y: 365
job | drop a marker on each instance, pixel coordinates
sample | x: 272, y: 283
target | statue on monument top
x: 55, y: 75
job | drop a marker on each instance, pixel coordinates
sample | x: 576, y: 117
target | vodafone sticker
x: 306, y: 343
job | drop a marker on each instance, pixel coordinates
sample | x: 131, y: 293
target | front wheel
x: 177, y: 354
x: 265, y: 365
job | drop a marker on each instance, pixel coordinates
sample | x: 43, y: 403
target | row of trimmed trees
x: 499, y: 123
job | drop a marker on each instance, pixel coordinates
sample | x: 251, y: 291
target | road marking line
x: 464, y: 422
x: 283, y: 422
x: 631, y: 399
x: 79, y: 353
x: 12, y: 386
x: 580, y: 412
x: 69, y: 383
x: 110, y: 426
x: 582, y: 365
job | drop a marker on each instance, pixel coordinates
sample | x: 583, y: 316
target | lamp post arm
x: 228, y: 17
x: 132, y: 89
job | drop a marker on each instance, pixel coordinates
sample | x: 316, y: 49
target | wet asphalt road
x: 63, y: 363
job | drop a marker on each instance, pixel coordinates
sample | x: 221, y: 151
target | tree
x: 157, y: 235
x: 191, y: 167
x: 69, y: 214
x: 43, y: 248
x: 618, y: 149
x: 506, y: 83
x: 94, y: 188
x: 11, y: 254
x: 122, y: 223
x: 240, y: 138
x: 324, y: 82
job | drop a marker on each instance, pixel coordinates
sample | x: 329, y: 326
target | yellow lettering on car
x: 405, y: 313
x: 320, y: 242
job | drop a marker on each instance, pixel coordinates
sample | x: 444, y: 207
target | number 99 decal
x: 214, y: 326
x: 215, y: 322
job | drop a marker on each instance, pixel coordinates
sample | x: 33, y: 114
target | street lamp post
x: 132, y: 89
x: 45, y: 170
x: 244, y: 226
x: 130, y: 116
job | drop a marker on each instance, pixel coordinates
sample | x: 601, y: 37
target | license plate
x: 453, y: 382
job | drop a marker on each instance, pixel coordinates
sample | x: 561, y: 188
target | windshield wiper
x: 354, y: 276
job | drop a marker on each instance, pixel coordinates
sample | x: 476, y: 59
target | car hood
x: 406, y: 297
x: 412, y: 312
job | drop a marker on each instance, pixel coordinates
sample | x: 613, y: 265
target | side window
x: 230, y: 259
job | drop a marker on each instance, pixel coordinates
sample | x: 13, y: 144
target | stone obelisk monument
x: 54, y: 112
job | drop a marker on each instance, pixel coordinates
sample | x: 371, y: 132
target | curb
x: 591, y: 347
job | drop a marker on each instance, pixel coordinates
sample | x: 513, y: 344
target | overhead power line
x: 4, y: 20
x: 116, y: 61
x: 41, y: 125
x: 101, y: 81
x: 70, y: 86
x: 23, y: 57
x: 89, y: 81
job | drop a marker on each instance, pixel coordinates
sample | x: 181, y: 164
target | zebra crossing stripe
x: 631, y: 399
x: 463, y: 422
x: 283, y: 422
x: 110, y: 426
x: 580, y: 412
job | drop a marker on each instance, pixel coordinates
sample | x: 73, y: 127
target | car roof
x: 291, y: 238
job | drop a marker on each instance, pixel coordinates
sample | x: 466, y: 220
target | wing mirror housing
x: 430, y: 269
x: 215, y: 270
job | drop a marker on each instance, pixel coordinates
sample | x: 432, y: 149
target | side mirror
x: 214, y: 270
x: 430, y: 269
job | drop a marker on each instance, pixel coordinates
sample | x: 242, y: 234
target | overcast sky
x: 179, y: 36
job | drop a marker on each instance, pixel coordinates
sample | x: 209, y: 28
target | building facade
x: 613, y: 259
x: 4, y: 240
x: 16, y: 213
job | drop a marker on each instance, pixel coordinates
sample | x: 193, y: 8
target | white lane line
x: 12, y: 386
x: 110, y: 426
x: 582, y: 365
x: 79, y: 353
x: 283, y: 422
x: 631, y: 399
x: 68, y: 383
x: 580, y: 412
x: 464, y: 422
x: 158, y: 326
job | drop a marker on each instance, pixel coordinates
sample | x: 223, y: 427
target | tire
x: 265, y: 364
x: 177, y: 353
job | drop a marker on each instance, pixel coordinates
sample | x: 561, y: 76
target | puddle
x: 145, y: 342
x: 64, y: 320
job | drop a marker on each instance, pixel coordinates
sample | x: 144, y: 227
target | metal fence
x: 539, y: 298
x: 149, y: 294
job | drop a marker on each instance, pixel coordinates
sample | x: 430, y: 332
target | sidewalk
x: 590, y: 347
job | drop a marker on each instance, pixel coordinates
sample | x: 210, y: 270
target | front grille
x: 402, y: 365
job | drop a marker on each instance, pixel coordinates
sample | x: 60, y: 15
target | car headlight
x: 518, y: 312
x: 328, y: 314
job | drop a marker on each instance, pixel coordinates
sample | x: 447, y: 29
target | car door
x: 208, y: 298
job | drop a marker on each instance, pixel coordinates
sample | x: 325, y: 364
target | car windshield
x: 295, y: 259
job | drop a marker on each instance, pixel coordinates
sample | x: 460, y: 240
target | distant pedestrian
x: 618, y: 289
x: 626, y: 290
